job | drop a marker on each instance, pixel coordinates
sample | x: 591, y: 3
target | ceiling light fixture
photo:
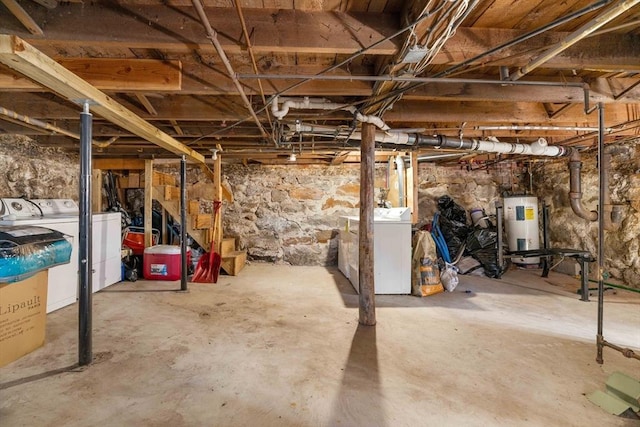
x: 292, y: 157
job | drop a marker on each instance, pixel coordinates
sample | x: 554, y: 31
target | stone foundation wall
x: 290, y: 213
x: 29, y: 170
x: 567, y: 230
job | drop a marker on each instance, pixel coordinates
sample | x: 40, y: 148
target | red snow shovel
x: 208, y: 267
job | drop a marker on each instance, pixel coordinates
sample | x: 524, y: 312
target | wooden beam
x: 175, y: 126
x: 602, y: 52
x: 148, y: 203
x: 22, y: 16
x: 177, y: 29
x: 146, y: 104
x: 115, y: 74
x: 187, y: 109
x: 366, y: 276
x: 49, y: 4
x: 118, y: 164
x: 19, y: 55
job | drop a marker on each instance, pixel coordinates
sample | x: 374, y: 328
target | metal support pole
x: 499, y: 245
x: 584, y: 279
x: 545, y: 238
x: 183, y: 222
x: 85, y: 236
x: 601, y: 190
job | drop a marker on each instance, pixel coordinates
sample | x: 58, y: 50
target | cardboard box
x: 23, y: 316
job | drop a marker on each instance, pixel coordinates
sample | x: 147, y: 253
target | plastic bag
x: 425, y: 275
x: 481, y: 244
x: 454, y: 233
x: 451, y: 210
x: 26, y: 250
x: 449, y: 277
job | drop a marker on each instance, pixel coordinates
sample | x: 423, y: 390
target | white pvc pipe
x: 537, y: 148
x: 307, y: 103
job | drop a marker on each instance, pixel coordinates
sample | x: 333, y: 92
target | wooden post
x: 413, y: 188
x: 217, y: 195
x: 365, y: 268
x: 148, y: 203
x: 96, y: 191
x: 165, y: 235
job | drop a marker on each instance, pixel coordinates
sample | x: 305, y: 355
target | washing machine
x: 56, y: 214
x: 63, y: 215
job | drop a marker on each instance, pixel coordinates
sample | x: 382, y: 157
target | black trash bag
x: 451, y: 210
x: 481, y: 238
x: 481, y: 245
x: 489, y: 260
x: 454, y: 233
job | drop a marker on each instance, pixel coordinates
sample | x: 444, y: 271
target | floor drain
x: 204, y: 315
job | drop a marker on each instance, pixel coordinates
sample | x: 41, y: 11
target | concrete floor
x: 281, y: 346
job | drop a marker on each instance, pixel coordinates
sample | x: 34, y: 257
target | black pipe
x: 500, y: 237
x: 183, y: 222
x: 85, y: 240
x: 601, y: 190
x: 545, y: 237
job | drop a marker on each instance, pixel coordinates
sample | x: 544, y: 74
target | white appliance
x: 106, y: 259
x: 391, y: 250
x: 63, y: 215
x: 521, y: 226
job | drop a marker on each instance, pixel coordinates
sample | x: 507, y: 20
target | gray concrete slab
x: 281, y: 346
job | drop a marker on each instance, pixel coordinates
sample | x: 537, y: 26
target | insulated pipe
x: 575, y: 188
x: 85, y: 291
x: 576, y: 36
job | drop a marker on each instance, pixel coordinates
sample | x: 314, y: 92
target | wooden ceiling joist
x: 114, y: 74
x: 24, y: 58
x: 22, y: 16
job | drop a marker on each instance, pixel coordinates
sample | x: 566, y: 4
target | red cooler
x: 162, y: 262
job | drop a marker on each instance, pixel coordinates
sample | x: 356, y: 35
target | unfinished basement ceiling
x: 154, y: 57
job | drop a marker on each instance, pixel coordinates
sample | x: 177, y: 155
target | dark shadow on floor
x: 460, y: 298
x: 360, y: 399
x: 37, y: 377
x: 109, y: 291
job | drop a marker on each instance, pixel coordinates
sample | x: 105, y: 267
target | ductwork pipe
x: 575, y: 188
